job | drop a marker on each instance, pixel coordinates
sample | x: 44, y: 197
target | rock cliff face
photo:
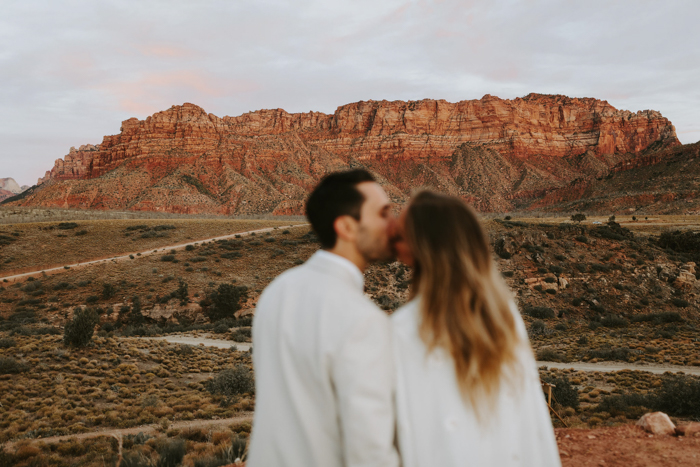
x: 499, y: 154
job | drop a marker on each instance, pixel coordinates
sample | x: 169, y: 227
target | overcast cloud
x: 71, y: 71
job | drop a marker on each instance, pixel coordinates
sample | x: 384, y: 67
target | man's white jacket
x: 324, y: 376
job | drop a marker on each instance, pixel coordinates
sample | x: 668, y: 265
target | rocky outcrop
x: 9, y: 184
x: 496, y: 153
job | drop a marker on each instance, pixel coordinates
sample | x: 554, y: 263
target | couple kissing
x: 448, y: 380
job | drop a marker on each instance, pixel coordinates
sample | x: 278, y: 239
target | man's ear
x: 346, y: 228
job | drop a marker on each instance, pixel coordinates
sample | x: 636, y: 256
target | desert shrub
x: 560, y: 257
x: 537, y: 328
x: 232, y: 382
x: 630, y: 405
x: 550, y: 355
x: 9, y: 365
x: 7, y: 342
x: 61, y: 286
x: 576, y: 301
x: 581, y: 238
x: 170, y: 452
x: 680, y: 303
x: 189, y: 248
x: 81, y: 233
x: 241, y: 334
x: 78, y: 332
x: 539, y: 312
x: 31, y: 286
x: 507, y: 273
x: 550, y: 280
x: 67, y: 225
x: 583, y: 340
x: 582, y: 267
x: 231, y: 255
x: 556, y: 269
x: 167, y: 257
x: 92, y: 299
x: 597, y: 267
x: 137, y: 227
x: 7, y: 459
x: 620, y: 354
x: 225, y: 301
x: 564, y: 393
x: 270, y: 239
x: 578, y: 217
x: 658, y: 318
x: 108, y: 291
x: 683, y: 242
x: 679, y: 395
x: 198, y: 259
x: 614, y: 321
x: 158, y: 228
x: 220, y: 328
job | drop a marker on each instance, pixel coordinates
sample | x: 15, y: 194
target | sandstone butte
x: 498, y: 154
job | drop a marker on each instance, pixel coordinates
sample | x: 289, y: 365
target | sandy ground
x: 137, y: 254
x: 618, y: 366
x: 625, y: 445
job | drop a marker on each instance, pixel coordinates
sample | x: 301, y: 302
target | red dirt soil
x: 625, y: 445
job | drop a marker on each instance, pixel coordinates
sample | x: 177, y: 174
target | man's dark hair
x: 335, y: 195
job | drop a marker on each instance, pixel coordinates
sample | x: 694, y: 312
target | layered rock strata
x: 498, y: 154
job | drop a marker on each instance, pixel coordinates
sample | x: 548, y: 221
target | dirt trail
x: 243, y: 417
x: 38, y: 272
x: 618, y: 366
x: 206, y: 341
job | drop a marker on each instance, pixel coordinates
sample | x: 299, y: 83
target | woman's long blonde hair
x: 465, y: 304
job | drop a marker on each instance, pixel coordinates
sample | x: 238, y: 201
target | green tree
x: 225, y: 301
x: 578, y: 217
x: 78, y: 332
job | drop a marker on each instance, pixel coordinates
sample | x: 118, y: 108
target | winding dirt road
x: 619, y: 366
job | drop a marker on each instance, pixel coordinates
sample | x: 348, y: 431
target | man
x: 323, y: 366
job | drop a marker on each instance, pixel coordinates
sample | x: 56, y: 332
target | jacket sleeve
x: 363, y: 379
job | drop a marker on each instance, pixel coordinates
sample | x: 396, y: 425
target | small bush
x: 581, y: 238
x: 225, y: 301
x: 537, y: 328
x: 680, y: 303
x: 614, y: 321
x: 78, y: 332
x: 578, y: 217
x: 232, y: 382
x: 539, y: 312
x: 9, y: 365
x: 658, y: 318
x: 564, y: 393
x: 108, y: 291
x: 67, y: 225
x: 550, y: 355
x: 679, y: 396
x: 189, y: 248
x: 7, y: 342
x: 167, y: 258
x: 507, y: 273
x: 80, y: 233
x: 620, y: 354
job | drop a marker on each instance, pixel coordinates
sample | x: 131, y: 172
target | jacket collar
x: 339, y: 267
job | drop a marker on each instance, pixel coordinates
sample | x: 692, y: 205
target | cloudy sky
x: 71, y: 71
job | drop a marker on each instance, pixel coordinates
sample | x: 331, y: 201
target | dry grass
x: 43, y: 244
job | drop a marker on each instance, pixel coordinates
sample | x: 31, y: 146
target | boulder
x: 657, y: 423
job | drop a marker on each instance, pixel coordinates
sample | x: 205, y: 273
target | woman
x: 468, y: 390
